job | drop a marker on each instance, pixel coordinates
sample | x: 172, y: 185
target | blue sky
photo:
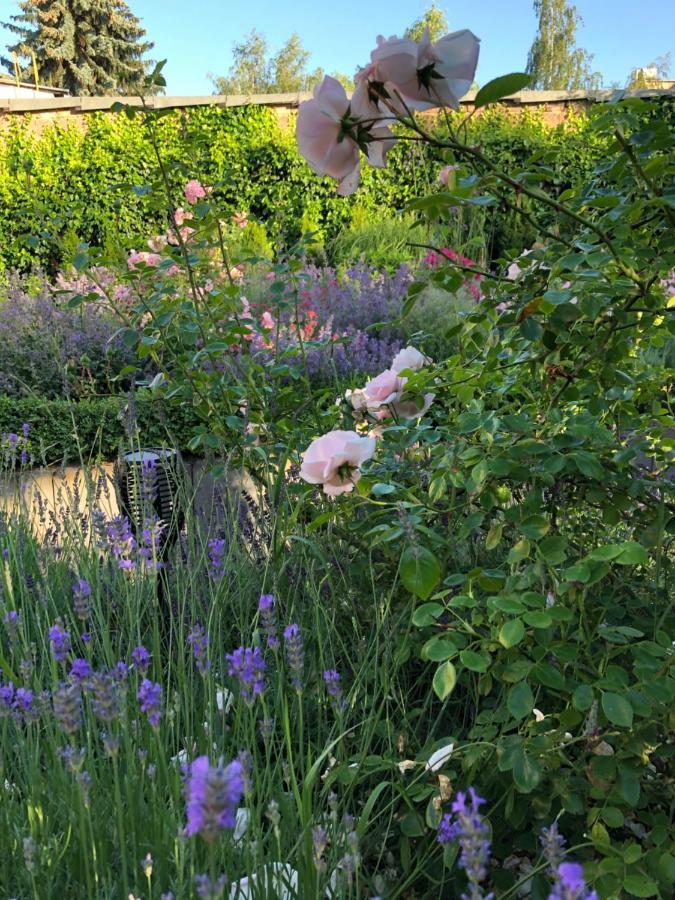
x: 196, y: 36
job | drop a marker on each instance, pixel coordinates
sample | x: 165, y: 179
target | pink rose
x: 267, y: 320
x: 181, y: 216
x: 157, y: 244
x: 194, y: 191
x: 240, y: 219
x: 409, y: 358
x: 445, y: 173
x: 142, y: 256
x: 382, y: 390
x: 325, y: 135
x: 333, y: 460
x: 425, y: 74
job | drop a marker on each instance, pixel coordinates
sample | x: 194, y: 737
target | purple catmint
x: 59, y: 638
x: 570, y: 884
x: 80, y: 670
x: 467, y: 827
x: 553, y: 845
x: 213, y: 794
x: 216, y: 563
x: 333, y: 684
x: 81, y: 599
x: 67, y: 703
x: 248, y: 666
x: 268, y: 618
x: 150, y: 697
x: 198, y: 639
x: 295, y: 655
x: 141, y: 659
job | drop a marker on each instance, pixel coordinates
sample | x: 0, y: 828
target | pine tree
x: 85, y: 46
x: 554, y: 60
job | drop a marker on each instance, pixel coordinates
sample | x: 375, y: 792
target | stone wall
x: 554, y: 105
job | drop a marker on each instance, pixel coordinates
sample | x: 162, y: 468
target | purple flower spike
x: 150, y: 696
x: 216, y: 564
x: 81, y: 595
x: 60, y: 641
x: 467, y: 827
x: 268, y: 618
x: 199, y: 641
x: 553, y: 845
x: 213, y: 794
x: 333, y: 684
x: 141, y: 658
x: 80, y: 670
x: 295, y: 655
x: 248, y: 666
x: 570, y: 884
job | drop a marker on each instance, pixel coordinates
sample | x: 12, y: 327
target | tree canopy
x: 84, y: 46
x: 554, y: 60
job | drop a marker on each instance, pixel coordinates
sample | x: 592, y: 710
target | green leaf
x: 501, y: 87
x: 607, y: 552
x: 420, y: 571
x: 520, y: 700
x: 538, y: 618
x: 494, y: 536
x: 438, y: 649
x: 380, y: 489
x: 526, y: 773
x: 582, y: 698
x: 632, y: 554
x: 511, y: 633
x: 477, y: 662
x: 445, y: 679
x: 535, y: 527
x: 640, y: 886
x: 617, y: 709
x: 426, y: 614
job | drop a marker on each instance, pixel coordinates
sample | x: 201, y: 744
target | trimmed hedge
x: 96, y: 184
x: 92, y: 430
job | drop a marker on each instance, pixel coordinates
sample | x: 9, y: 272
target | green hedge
x: 89, y: 430
x: 70, y: 184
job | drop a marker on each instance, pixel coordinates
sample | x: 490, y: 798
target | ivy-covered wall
x: 66, y: 184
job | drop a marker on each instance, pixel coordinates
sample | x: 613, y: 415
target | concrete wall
x: 555, y: 105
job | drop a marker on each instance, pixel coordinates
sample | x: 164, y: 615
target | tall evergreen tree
x: 554, y: 60
x: 85, y: 46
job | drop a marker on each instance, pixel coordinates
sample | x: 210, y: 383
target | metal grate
x: 148, y: 488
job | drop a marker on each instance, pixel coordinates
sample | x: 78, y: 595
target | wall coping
x: 83, y: 105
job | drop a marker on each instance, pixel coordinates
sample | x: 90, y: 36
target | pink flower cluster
x: 434, y: 260
x: 334, y: 459
x: 403, y: 76
x: 382, y: 396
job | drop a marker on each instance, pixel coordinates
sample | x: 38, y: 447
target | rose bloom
x: 333, y: 460
x: 426, y: 74
x: 409, y: 358
x: 382, y: 390
x: 445, y: 173
x: 194, y: 191
x: 142, y: 256
x: 324, y: 138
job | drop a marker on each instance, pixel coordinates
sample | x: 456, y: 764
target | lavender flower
x: 570, y: 884
x: 213, y: 794
x: 80, y: 670
x: 150, y: 696
x: 295, y: 655
x: 333, y: 684
x: 210, y: 889
x: 268, y: 617
x: 199, y: 641
x: 248, y: 666
x: 319, y: 845
x: 141, y: 658
x: 7, y: 692
x: 121, y: 542
x: 67, y: 705
x: 106, y: 700
x: 553, y: 845
x: 216, y: 563
x: 11, y: 622
x: 467, y: 827
x: 81, y: 595
x: 60, y: 641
